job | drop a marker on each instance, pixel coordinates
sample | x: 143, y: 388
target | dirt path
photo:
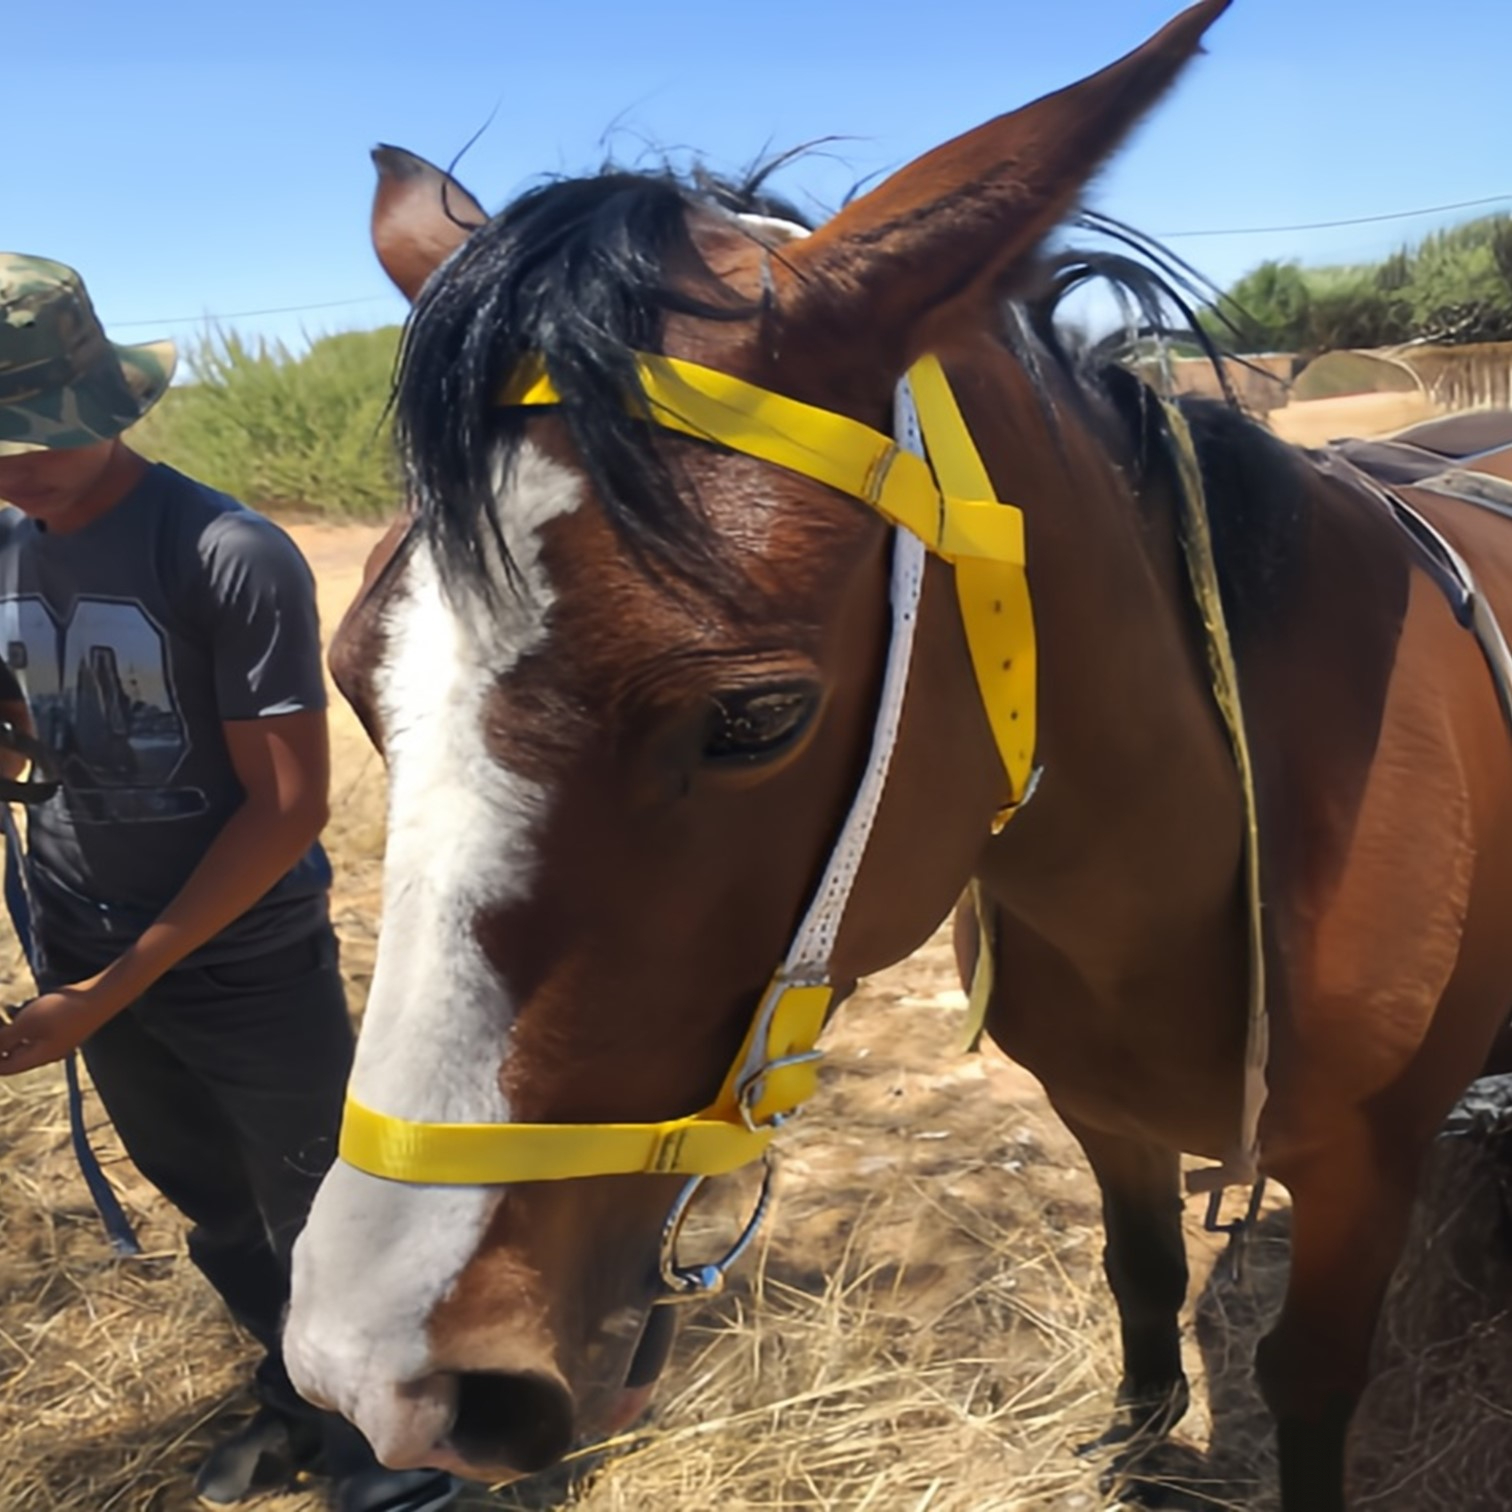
x: 1319, y: 420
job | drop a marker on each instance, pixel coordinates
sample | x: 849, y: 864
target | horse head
x: 625, y: 677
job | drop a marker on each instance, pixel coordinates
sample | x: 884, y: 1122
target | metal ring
x: 693, y: 1283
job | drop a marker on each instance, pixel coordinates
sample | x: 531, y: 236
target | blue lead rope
x: 118, y: 1230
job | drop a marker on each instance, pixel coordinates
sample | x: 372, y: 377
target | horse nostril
x: 523, y: 1421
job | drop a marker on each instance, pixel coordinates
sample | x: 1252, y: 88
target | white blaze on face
x: 377, y: 1256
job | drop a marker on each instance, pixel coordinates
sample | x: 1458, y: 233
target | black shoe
x: 264, y: 1452
x: 380, y: 1490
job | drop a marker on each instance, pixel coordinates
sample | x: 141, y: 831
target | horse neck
x: 1138, y: 817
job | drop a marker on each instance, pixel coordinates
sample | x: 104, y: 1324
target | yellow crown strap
x: 832, y: 449
x: 992, y: 591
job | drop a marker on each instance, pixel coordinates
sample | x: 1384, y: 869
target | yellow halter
x: 947, y: 501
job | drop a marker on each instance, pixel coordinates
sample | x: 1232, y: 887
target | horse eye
x: 757, y: 725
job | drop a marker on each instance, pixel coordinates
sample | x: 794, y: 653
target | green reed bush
x: 286, y: 433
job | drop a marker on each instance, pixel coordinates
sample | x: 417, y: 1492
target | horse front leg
x: 1350, y: 1212
x: 1144, y: 1258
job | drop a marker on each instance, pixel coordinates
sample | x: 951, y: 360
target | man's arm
x: 13, y: 711
x: 283, y: 763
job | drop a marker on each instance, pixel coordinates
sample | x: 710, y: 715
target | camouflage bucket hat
x: 62, y: 383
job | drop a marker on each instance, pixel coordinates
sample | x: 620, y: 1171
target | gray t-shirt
x: 131, y: 641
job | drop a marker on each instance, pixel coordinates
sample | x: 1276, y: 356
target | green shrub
x: 1271, y: 307
x: 284, y: 433
x: 1454, y: 286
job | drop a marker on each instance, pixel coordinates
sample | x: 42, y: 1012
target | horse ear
x: 421, y: 215
x: 933, y: 242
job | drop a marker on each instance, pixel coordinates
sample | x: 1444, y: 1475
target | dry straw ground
x: 927, y: 1329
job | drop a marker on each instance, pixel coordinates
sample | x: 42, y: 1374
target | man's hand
x: 51, y: 1025
x: 283, y: 764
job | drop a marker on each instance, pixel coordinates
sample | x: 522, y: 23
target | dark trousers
x: 225, y: 1084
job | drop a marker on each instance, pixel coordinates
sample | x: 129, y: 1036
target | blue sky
x: 202, y: 158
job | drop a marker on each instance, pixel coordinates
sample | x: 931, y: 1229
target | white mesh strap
x: 808, y: 958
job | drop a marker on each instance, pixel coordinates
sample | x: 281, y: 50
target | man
x: 162, y: 642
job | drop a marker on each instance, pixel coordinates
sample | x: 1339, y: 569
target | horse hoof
x: 1159, y: 1473
x: 1144, y: 1486
x: 1143, y: 1418
x: 1149, y: 1496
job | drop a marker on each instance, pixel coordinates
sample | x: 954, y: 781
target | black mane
x: 1253, y: 482
x: 582, y: 272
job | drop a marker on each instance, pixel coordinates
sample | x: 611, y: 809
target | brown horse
x: 626, y: 681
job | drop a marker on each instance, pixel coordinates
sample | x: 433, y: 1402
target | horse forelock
x: 584, y: 274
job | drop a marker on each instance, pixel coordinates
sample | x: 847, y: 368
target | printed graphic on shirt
x: 99, y: 690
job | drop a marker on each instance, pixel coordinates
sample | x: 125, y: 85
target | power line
x: 1358, y: 220
x: 299, y: 309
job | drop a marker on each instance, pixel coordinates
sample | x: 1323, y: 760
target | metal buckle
x: 1238, y: 1230
x: 749, y: 1092
x: 692, y: 1283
